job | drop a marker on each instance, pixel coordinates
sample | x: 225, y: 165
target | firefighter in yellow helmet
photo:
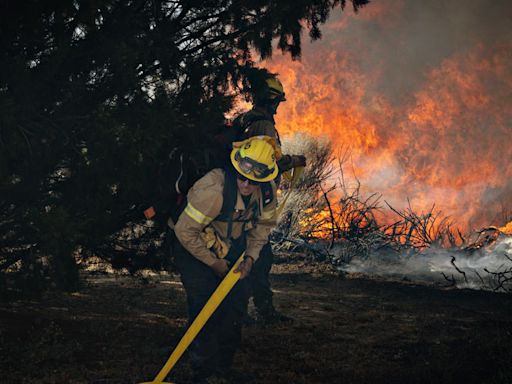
x: 267, y: 94
x: 228, y: 211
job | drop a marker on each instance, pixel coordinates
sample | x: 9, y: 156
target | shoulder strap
x: 249, y: 119
x: 246, y: 120
x: 267, y: 196
x: 267, y: 193
x: 229, y: 199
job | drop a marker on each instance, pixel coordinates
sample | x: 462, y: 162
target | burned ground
x: 347, y: 329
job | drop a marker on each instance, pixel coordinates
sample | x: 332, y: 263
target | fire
x: 316, y: 223
x: 506, y: 229
x: 437, y: 132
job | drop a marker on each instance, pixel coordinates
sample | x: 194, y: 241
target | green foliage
x: 94, y: 94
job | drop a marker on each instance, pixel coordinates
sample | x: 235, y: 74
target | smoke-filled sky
x: 421, y: 92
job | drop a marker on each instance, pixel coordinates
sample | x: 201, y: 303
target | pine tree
x: 93, y: 94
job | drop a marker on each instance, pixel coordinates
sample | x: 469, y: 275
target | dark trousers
x: 260, y: 283
x: 213, y: 349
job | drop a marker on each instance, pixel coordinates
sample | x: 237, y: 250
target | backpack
x: 184, y: 166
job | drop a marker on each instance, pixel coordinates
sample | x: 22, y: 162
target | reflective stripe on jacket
x: 204, y: 206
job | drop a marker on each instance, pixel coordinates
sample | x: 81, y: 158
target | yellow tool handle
x: 211, y: 305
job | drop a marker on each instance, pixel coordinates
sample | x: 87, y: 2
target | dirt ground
x: 347, y: 329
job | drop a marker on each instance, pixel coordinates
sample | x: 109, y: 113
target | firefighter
x: 268, y: 93
x: 212, y: 234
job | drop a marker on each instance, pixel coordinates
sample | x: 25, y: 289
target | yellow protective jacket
x: 204, y: 205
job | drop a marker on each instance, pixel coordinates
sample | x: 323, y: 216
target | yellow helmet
x: 275, y: 89
x: 255, y: 159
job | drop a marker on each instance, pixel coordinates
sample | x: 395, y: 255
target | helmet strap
x: 272, y: 105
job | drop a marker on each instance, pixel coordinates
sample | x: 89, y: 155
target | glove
x: 298, y: 161
x: 288, y: 162
x: 208, y: 236
x: 220, y: 267
x: 285, y: 163
x: 214, y: 242
x: 245, y: 267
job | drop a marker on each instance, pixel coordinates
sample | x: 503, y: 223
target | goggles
x: 243, y: 179
x: 277, y: 96
x: 250, y: 166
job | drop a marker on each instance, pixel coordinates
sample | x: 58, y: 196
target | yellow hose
x: 209, y: 308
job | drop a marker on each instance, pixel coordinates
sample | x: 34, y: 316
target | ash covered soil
x: 347, y: 329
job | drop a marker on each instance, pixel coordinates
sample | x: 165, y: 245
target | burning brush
x: 488, y: 236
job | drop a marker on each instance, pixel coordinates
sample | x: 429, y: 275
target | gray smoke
x: 429, y: 266
x: 413, y: 37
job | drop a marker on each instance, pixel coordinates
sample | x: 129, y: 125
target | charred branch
x: 480, y: 278
x: 420, y: 231
x: 452, y: 261
x: 334, y: 225
x: 501, y: 280
x: 451, y: 279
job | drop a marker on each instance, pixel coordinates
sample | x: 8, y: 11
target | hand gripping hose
x: 209, y: 308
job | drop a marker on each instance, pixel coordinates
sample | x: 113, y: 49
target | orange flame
x: 506, y: 229
x: 445, y: 142
x: 316, y: 223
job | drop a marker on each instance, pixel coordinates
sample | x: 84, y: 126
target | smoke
x: 420, y: 92
x: 432, y: 265
x: 407, y: 39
